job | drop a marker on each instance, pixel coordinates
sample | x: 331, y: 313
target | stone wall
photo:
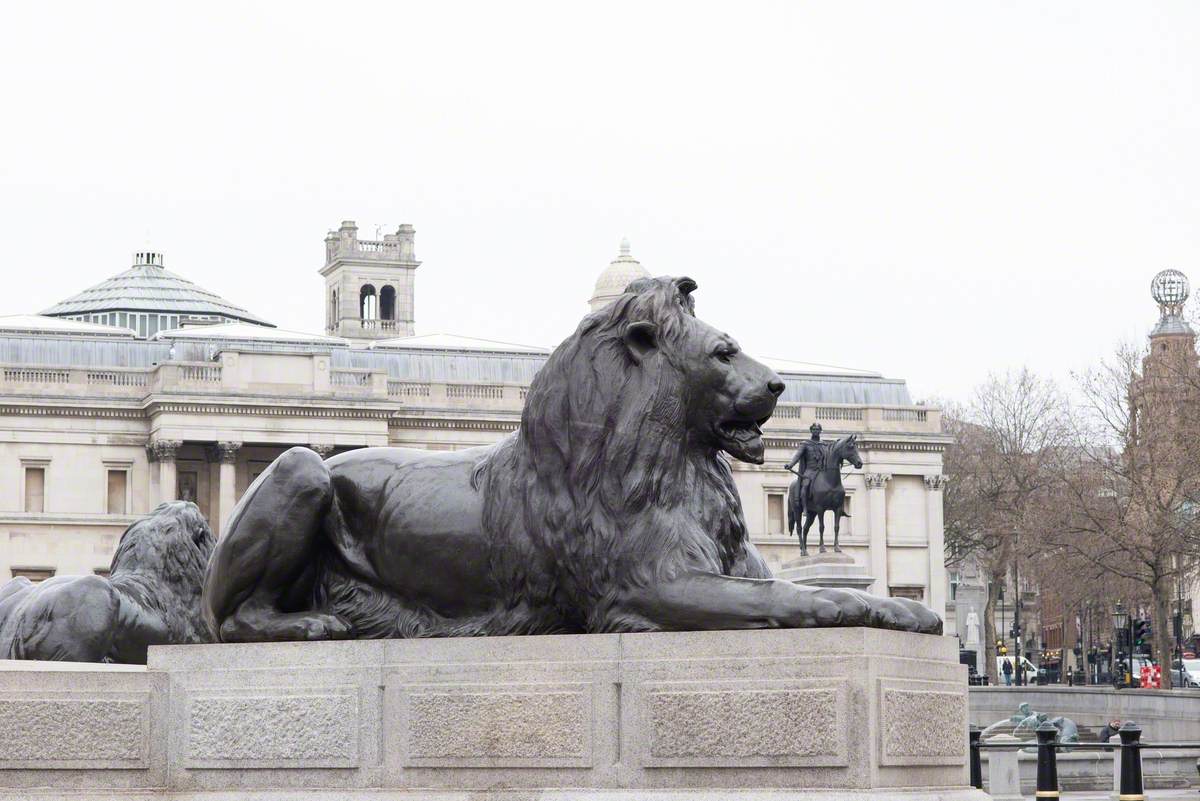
x: 712, y: 713
x: 1164, y: 716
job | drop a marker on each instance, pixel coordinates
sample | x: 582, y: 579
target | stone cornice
x: 43, y: 410
x: 910, y: 443
x: 158, y: 407
x: 452, y: 424
x: 66, y: 518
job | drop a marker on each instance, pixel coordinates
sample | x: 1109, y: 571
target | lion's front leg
x: 698, y: 600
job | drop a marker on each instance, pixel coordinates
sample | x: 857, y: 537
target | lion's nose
x: 776, y: 386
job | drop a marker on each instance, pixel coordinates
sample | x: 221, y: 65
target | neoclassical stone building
x: 101, y: 417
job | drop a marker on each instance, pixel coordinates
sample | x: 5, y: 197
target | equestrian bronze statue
x: 819, y: 487
x: 611, y: 509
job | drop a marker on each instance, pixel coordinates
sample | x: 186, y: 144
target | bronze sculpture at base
x: 610, y: 509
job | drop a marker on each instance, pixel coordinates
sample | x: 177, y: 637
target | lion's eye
x: 726, y: 355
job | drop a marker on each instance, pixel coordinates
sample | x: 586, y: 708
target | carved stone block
x: 74, y: 733
x: 743, y: 724
x: 499, y: 725
x: 292, y: 729
x: 921, y: 726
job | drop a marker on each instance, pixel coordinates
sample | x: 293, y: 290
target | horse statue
x: 825, y: 493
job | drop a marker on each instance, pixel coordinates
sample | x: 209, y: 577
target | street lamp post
x: 1122, y: 622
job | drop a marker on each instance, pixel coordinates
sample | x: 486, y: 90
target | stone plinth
x: 778, y: 714
x: 827, y: 570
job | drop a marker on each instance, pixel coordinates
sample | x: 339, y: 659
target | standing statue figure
x: 818, y: 488
x: 972, y: 628
x: 809, y: 457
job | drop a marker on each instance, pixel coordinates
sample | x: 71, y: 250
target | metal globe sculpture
x: 1169, y: 288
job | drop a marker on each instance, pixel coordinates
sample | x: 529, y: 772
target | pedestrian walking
x: 1008, y: 672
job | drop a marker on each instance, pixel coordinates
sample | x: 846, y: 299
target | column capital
x: 935, y: 483
x: 877, y: 480
x: 225, y: 452
x: 323, y: 450
x: 163, y: 450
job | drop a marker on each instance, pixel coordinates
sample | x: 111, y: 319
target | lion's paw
x: 901, y: 614
x: 325, y: 627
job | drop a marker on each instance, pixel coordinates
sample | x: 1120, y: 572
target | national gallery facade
x: 147, y: 387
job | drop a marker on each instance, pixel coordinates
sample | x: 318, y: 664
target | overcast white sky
x: 931, y: 190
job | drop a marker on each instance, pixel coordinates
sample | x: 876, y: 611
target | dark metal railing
x: 1131, y: 746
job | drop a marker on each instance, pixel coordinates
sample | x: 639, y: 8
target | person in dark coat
x: 1008, y: 671
x: 1110, y: 730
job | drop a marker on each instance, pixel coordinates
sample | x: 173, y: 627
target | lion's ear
x: 641, y: 339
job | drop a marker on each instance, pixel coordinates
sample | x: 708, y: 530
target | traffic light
x: 1141, y: 636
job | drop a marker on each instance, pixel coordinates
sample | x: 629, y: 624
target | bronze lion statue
x: 611, y: 509
x: 150, y: 597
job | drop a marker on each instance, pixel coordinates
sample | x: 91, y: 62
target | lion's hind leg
x: 269, y: 547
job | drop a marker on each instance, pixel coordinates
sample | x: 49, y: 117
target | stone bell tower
x: 369, y: 284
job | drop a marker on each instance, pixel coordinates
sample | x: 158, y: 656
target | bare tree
x: 1128, y: 484
x: 1004, y: 444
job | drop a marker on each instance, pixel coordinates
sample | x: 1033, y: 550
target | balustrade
x: 200, y: 373
x: 36, y: 375
x: 350, y: 378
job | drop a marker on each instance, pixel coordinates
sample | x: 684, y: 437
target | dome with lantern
x: 618, y: 275
x: 1170, y: 290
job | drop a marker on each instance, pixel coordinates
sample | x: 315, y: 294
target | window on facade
x: 775, y: 517
x: 186, y: 484
x: 368, y: 303
x: 911, y: 593
x: 118, y: 482
x: 141, y: 325
x: 387, y: 303
x: 35, y: 489
x: 152, y: 327
x: 34, y: 574
x: 954, y: 585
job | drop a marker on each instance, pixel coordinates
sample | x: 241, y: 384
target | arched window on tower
x: 368, y: 303
x: 333, y: 311
x: 387, y: 304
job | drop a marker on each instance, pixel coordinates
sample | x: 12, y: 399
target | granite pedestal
x: 776, y: 714
x: 828, y: 569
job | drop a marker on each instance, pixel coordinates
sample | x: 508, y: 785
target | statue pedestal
x: 827, y: 570
x: 787, y: 715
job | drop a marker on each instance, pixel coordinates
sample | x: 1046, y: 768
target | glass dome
x: 1169, y: 288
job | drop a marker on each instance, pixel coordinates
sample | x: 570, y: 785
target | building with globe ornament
x: 147, y: 387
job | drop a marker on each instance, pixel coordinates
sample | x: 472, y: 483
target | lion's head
x: 161, y: 559
x: 647, y: 361
x: 620, y: 439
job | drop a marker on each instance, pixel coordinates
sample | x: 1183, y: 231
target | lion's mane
x: 603, y: 479
x: 160, y: 562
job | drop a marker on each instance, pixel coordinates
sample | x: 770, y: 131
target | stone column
x: 226, y: 453
x: 152, y: 492
x: 164, y: 454
x: 877, y: 511
x: 1004, y: 770
x: 937, y: 543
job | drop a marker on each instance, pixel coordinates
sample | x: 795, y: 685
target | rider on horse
x: 810, y: 456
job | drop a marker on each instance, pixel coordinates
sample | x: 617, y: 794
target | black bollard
x: 1047, y: 764
x: 976, y: 768
x: 1131, y: 763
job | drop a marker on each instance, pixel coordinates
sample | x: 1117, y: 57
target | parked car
x: 1122, y: 668
x: 1031, y: 670
x: 1191, y: 673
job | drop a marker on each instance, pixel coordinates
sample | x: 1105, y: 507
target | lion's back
x: 413, y: 520
x: 62, y: 618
